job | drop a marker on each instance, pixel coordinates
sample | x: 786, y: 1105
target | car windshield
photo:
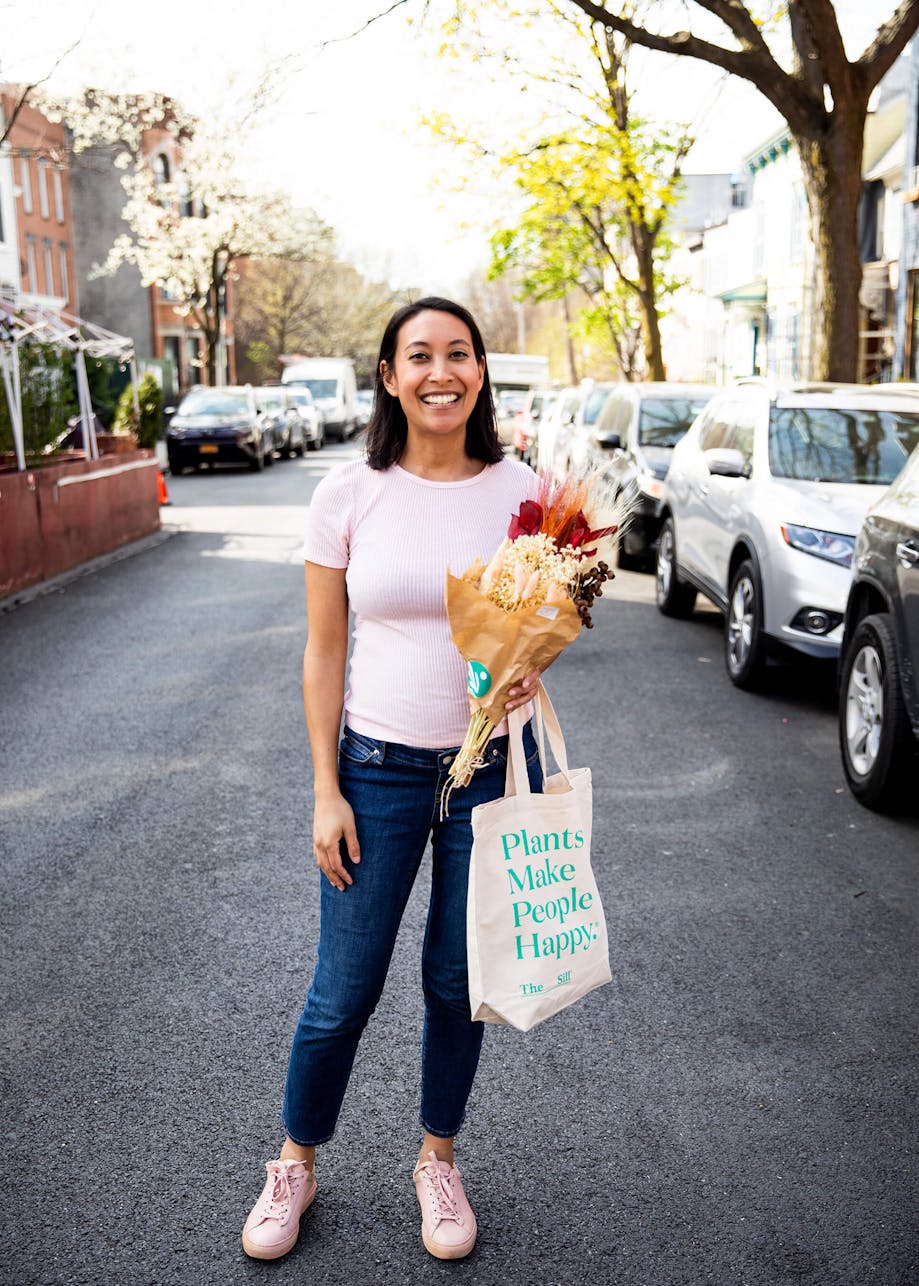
x: 596, y: 400
x: 270, y: 401
x: 662, y: 421
x: 836, y: 444
x: 303, y: 398
x: 208, y: 401
x: 320, y: 388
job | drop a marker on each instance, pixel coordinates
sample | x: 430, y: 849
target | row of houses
x: 750, y: 305
x: 60, y: 213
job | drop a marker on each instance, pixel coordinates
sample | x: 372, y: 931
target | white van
x: 334, y: 388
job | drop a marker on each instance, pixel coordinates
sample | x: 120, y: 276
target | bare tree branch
x: 337, y: 40
x: 24, y: 95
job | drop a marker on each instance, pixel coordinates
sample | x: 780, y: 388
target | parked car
x: 332, y: 383
x: 573, y: 407
x: 762, y: 503
x: 312, y: 423
x: 216, y: 426
x: 280, y: 417
x: 632, y: 441
x: 569, y: 456
x: 364, y: 402
x: 879, y: 673
x: 509, y: 405
x: 526, y: 425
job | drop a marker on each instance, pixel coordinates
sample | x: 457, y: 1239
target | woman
x: 435, y: 491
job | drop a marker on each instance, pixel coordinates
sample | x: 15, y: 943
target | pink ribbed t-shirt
x: 397, y: 535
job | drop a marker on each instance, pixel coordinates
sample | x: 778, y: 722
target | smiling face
x: 435, y: 374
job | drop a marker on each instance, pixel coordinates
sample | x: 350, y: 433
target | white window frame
x: 43, y: 188
x: 31, y: 265
x: 25, y: 182
x: 58, y: 194
x: 65, y: 272
x: 49, y: 267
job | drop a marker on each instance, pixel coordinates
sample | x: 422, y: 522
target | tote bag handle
x: 517, y: 781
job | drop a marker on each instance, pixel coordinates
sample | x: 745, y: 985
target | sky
x: 346, y: 135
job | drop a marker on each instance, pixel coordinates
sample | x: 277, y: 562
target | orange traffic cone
x: 161, y: 488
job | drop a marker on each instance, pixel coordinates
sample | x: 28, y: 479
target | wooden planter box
x: 57, y: 516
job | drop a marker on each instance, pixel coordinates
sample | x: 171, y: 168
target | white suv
x: 762, y: 503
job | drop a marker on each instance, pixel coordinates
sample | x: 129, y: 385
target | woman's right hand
x: 333, y: 821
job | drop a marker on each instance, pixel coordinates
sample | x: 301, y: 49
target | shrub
x: 148, y: 425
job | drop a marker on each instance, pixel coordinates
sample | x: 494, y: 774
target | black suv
x: 879, y: 674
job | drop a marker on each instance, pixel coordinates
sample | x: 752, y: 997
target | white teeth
x: 440, y: 399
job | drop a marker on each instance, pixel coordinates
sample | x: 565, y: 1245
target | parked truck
x: 334, y: 388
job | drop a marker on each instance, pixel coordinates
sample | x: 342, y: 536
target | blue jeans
x: 395, y: 792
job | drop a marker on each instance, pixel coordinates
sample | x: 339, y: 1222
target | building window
x: 58, y: 194
x: 192, y: 360
x: 186, y: 204
x: 912, y: 327
x: 65, y: 276
x: 49, y: 268
x: 161, y: 175
x: 43, y: 188
x: 31, y: 267
x: 25, y: 182
x: 172, y: 352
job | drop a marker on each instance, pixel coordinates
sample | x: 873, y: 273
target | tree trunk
x: 643, y: 243
x: 832, y: 165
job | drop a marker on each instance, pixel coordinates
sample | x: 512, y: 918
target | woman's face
x: 435, y: 374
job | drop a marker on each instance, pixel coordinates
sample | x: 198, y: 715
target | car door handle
x: 907, y: 553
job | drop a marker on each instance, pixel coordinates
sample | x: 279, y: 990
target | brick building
x: 36, y: 229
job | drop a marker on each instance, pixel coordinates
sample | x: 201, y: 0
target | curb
x: 23, y: 596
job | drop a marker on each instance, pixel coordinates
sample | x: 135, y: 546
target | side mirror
x: 725, y: 462
x: 609, y: 441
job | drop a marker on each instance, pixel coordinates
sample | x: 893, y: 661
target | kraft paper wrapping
x: 505, y: 645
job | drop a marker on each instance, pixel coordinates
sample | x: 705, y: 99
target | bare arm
x: 323, y: 698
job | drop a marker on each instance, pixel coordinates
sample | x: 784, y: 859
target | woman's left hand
x: 523, y: 692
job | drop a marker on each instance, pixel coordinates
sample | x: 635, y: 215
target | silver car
x: 762, y: 503
x: 311, y: 433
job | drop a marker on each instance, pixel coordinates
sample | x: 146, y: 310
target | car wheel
x: 674, y: 597
x: 744, y: 641
x: 875, y: 737
x: 269, y: 457
x: 176, y: 467
x: 257, y: 463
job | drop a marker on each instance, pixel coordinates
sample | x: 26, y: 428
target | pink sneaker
x: 448, y: 1226
x: 274, y: 1222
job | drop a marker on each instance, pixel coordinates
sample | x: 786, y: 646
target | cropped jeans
x: 395, y: 793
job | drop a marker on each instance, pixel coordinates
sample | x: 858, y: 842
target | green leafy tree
x: 597, y: 188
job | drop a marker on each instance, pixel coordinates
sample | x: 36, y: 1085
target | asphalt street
x: 738, y: 1107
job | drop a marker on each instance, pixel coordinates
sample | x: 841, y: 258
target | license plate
x: 207, y: 449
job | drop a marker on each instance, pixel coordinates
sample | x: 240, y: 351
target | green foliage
x: 107, y: 378
x: 147, y: 426
x: 49, y: 398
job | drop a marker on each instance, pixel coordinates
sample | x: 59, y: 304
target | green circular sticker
x: 478, y: 680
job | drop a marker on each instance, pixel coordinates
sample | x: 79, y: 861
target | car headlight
x: 822, y: 544
x: 648, y: 485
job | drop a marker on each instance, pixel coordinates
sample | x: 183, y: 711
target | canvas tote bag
x: 535, y: 930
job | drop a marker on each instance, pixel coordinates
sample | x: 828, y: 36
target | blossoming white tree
x: 186, y: 232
